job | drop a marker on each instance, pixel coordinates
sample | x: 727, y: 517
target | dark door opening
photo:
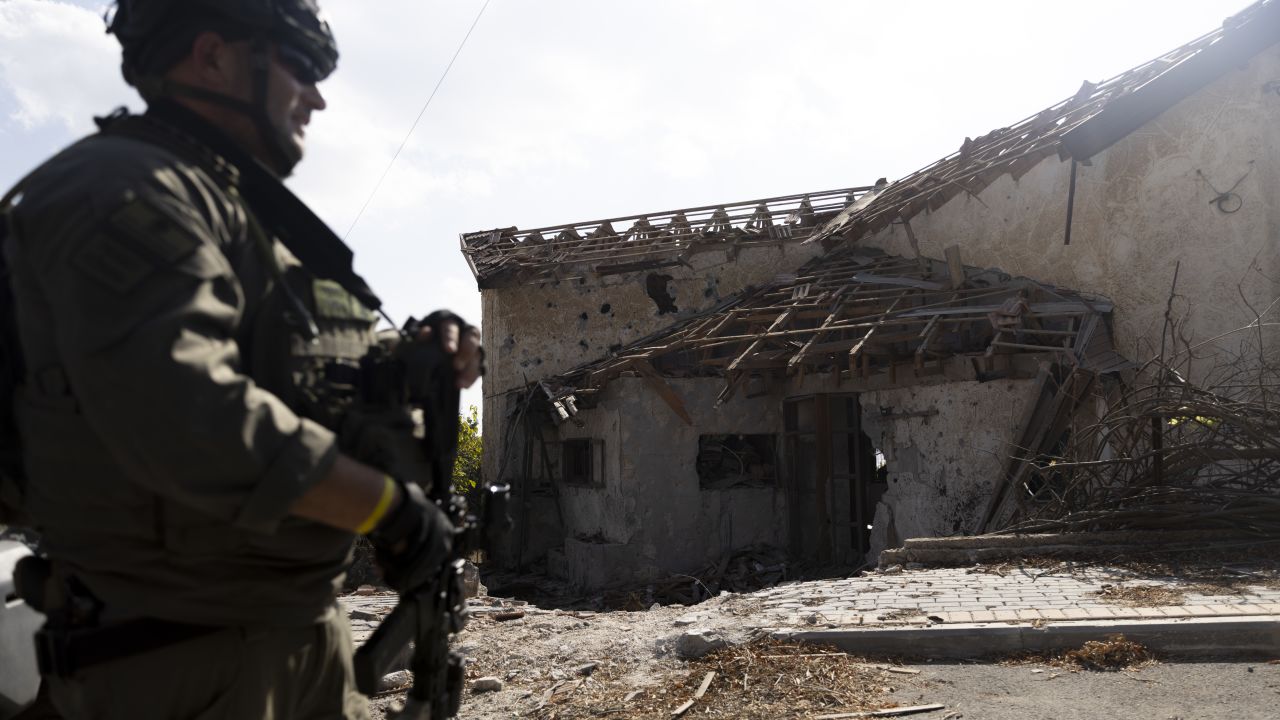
x: 837, y: 477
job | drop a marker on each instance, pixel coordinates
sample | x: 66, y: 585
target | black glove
x: 412, y: 542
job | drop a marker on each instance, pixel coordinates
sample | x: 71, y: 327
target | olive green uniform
x: 173, y: 413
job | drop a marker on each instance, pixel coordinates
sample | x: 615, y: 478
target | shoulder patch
x: 142, y: 235
x: 335, y: 303
x: 155, y: 227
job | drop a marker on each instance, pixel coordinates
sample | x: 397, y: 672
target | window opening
x: 737, y: 460
x: 580, y: 461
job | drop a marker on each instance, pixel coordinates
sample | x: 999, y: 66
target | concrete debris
x: 486, y: 684
x: 395, y: 681
x: 471, y: 586
x: 744, y: 570
x: 697, y: 642
x: 586, y: 668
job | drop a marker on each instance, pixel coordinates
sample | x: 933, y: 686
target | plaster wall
x: 1141, y: 207
x: 651, y: 518
x: 533, y: 331
x: 942, y: 468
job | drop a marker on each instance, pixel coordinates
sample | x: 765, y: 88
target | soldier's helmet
x: 156, y: 34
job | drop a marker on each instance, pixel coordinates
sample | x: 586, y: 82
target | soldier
x: 191, y: 337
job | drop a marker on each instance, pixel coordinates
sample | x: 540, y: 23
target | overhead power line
x: 416, y: 120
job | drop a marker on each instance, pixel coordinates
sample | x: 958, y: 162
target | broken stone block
x: 486, y: 684
x: 471, y: 586
x: 695, y: 643
x: 357, y: 614
x: 586, y: 668
x: 395, y: 680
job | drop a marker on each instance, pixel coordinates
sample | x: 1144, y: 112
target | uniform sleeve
x: 146, y: 308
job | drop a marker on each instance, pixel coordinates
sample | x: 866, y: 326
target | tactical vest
x: 306, y: 352
x: 304, y: 328
x: 307, y: 341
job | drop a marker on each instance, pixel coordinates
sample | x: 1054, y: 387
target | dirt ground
x: 1162, y: 691
x: 624, y: 666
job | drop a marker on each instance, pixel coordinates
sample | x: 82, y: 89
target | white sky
x: 567, y: 110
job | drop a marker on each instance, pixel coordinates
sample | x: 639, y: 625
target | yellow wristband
x: 379, y: 510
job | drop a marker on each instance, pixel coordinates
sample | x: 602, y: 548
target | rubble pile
x: 741, y: 571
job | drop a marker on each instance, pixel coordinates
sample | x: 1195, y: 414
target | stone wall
x: 651, y: 517
x: 539, y: 330
x: 942, y: 468
x: 533, y: 331
x: 1141, y: 207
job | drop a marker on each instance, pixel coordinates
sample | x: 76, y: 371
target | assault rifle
x: 418, y: 374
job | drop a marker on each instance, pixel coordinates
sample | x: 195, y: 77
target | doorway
x: 837, y: 477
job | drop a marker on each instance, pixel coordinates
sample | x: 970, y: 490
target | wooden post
x: 822, y: 474
x: 955, y: 267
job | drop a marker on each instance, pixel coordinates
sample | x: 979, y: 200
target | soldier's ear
x: 216, y: 64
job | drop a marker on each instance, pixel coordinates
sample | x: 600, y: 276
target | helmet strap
x: 282, y: 155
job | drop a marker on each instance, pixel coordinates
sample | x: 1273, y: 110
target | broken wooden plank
x: 853, y: 353
x: 887, y: 712
x: 804, y: 351
x: 664, y: 390
x: 926, y: 338
x: 869, y: 279
x: 706, y: 683
x: 546, y: 696
x: 731, y: 386
x: 1040, y: 308
x: 954, y: 267
x: 702, y: 690
x: 778, y: 322
x: 1033, y: 348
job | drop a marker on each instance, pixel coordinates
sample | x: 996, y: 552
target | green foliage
x: 466, y: 470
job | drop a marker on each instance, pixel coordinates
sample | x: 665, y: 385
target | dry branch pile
x: 765, y: 679
x: 1166, y: 454
x: 1114, y: 653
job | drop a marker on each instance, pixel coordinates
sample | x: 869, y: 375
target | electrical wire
x: 416, y: 120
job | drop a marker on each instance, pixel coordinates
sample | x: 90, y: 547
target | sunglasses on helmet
x: 299, y: 64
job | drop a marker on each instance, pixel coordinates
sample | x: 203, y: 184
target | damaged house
x: 833, y: 372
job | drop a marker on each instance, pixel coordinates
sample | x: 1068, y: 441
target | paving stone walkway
x: 961, y: 595
x: 928, y: 597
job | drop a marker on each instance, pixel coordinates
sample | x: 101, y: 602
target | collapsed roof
x: 511, y: 256
x: 1079, y: 127
x: 1093, y: 119
x: 858, y: 312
